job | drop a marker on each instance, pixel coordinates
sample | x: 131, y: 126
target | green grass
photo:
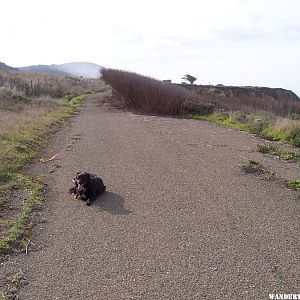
x: 253, y: 167
x: 281, y: 152
x: 17, y: 150
x: 294, y: 184
x: 267, y: 126
x: 69, y: 104
x: 218, y: 119
x: 34, y: 189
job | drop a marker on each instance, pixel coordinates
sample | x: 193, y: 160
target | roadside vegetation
x: 255, y: 168
x: 294, y: 184
x: 29, y: 114
x: 273, y: 119
x: 151, y: 96
x: 269, y: 126
x: 281, y: 152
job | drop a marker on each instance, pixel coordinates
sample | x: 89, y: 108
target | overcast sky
x: 233, y: 42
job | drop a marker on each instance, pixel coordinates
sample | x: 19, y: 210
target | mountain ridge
x: 5, y: 67
x: 77, y: 69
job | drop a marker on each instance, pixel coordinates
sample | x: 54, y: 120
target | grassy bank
x: 21, y: 141
x: 34, y: 190
x: 24, y: 138
x: 268, y: 126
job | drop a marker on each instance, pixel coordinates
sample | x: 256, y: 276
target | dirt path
x: 179, y: 219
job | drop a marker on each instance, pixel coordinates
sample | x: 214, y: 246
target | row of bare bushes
x: 152, y: 96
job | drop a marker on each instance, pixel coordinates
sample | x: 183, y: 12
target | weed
x: 13, y: 286
x: 269, y: 175
x: 252, y: 166
x: 281, y: 152
x: 294, y: 184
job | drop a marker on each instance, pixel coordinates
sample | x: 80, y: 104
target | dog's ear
x: 77, y: 174
x: 88, y: 176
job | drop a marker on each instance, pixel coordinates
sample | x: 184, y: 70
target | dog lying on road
x: 87, y: 187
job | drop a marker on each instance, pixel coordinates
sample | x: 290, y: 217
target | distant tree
x: 191, y: 79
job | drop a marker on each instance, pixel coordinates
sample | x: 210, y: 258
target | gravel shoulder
x: 179, y: 220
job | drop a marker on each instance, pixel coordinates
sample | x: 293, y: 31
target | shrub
x: 198, y: 108
x: 146, y: 94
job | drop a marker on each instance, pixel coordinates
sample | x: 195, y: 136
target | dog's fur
x: 87, y: 187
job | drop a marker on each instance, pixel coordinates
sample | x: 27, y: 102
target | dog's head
x: 83, y: 179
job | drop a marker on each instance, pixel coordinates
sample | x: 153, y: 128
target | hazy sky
x: 233, y: 42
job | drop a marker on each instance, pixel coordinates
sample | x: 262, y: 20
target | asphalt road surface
x: 179, y: 219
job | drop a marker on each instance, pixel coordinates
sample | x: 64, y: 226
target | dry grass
x: 27, y: 97
x: 287, y: 125
x: 283, y: 108
x: 14, y: 84
x: 16, y: 116
x: 285, y: 129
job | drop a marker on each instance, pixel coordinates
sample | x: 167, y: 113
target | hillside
x: 4, y: 67
x: 243, y: 92
x: 47, y: 69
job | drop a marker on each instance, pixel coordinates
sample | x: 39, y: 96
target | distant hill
x: 47, y: 69
x: 4, y: 67
x: 77, y: 69
x: 85, y: 69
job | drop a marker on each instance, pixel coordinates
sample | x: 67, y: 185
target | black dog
x: 87, y: 187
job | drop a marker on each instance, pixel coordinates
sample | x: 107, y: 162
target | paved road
x: 179, y: 219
